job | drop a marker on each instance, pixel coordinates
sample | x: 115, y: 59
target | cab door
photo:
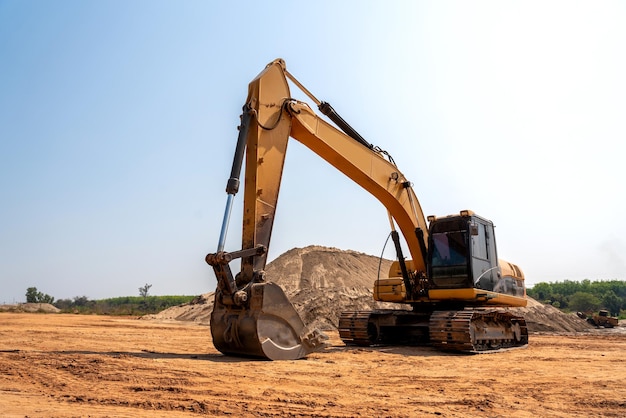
x: 484, y: 261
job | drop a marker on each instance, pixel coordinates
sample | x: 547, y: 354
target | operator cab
x: 462, y: 254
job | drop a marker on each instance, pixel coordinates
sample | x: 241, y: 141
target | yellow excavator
x: 453, y: 290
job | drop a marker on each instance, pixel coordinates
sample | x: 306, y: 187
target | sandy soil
x: 97, y: 366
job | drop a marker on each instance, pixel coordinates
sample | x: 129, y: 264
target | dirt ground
x: 55, y: 365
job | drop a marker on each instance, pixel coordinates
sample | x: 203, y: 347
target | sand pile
x: 547, y: 318
x: 322, y: 282
x: 30, y: 307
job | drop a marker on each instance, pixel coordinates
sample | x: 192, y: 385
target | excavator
x: 452, y: 292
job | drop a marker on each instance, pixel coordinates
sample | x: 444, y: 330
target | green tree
x: 45, y: 298
x: 81, y: 300
x: 34, y: 296
x: 584, y: 302
x: 63, y: 304
x: 144, y: 290
x: 561, y: 300
x: 541, y: 291
x: 31, y: 295
x: 612, y: 302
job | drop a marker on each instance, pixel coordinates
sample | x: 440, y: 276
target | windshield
x: 450, y: 249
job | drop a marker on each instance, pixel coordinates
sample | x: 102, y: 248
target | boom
x: 275, y: 118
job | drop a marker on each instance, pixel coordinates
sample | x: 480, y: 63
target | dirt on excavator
x: 62, y: 365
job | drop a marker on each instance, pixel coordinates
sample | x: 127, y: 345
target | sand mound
x: 322, y: 282
x: 198, y: 310
x: 30, y: 307
x: 317, y: 267
x: 547, y: 318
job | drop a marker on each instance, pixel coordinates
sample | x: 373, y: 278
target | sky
x: 118, y: 122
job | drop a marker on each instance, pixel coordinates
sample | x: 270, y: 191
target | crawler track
x: 466, y: 331
x: 477, y: 331
x: 353, y: 328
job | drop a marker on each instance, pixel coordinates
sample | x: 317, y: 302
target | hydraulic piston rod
x: 232, y: 186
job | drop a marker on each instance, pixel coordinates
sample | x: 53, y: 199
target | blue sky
x: 118, y: 124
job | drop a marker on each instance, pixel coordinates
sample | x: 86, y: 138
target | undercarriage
x: 469, y: 330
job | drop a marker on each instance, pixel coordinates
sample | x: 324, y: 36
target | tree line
x: 125, y: 305
x: 584, y: 296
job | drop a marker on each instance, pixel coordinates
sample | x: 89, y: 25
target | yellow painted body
x: 392, y: 289
x: 475, y: 295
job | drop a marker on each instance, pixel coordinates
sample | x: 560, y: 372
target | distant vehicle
x: 602, y: 319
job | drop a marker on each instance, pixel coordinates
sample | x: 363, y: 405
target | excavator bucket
x: 267, y: 326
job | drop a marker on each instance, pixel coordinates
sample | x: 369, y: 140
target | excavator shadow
x: 154, y: 355
x: 409, y: 351
x: 403, y: 350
